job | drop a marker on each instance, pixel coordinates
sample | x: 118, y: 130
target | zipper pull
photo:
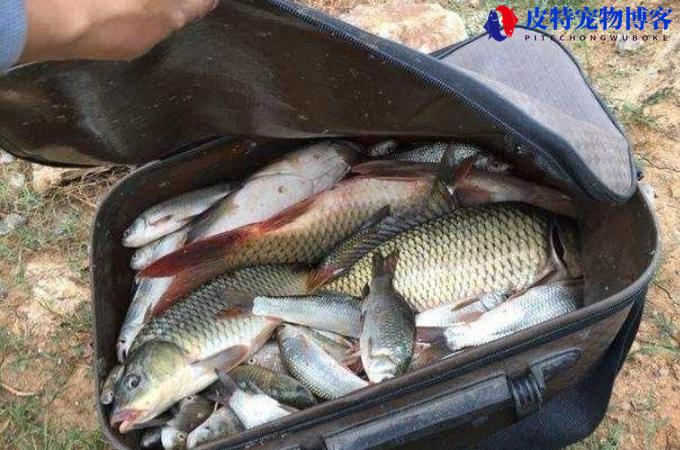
x: 527, y: 390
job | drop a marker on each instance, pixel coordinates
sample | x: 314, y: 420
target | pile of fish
x: 331, y: 269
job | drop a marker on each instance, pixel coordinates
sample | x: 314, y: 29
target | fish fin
x: 231, y: 312
x: 225, y: 360
x: 343, y: 257
x: 470, y: 316
x: 431, y: 335
x: 389, y: 265
x: 226, y: 386
x: 254, y: 388
x: 324, y: 274
x: 206, y: 256
x: 394, y: 169
x: 182, y: 285
x: 287, y: 215
x: 164, y: 219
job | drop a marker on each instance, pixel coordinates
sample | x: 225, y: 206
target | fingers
x: 190, y: 10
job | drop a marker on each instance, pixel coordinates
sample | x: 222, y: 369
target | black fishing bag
x: 260, y: 77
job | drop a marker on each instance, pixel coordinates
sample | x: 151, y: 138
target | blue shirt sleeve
x: 12, y: 32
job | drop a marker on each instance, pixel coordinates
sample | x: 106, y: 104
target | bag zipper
x: 594, y: 187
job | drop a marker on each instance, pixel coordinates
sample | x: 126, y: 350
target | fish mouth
x: 121, y: 350
x: 126, y: 417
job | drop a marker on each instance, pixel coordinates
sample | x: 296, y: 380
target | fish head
x: 173, y: 439
x: 133, y: 235
x: 494, y: 165
x: 141, y: 257
x: 207, y: 431
x: 381, y: 367
x: 291, y: 392
x: 153, y: 380
x: 125, y: 338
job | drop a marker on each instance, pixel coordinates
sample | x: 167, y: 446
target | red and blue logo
x: 493, y: 26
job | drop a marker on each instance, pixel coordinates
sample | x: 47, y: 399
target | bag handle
x: 456, y: 408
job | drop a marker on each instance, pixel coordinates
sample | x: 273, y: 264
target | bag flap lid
x: 274, y: 69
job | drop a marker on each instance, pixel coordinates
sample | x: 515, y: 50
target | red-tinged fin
x: 456, y: 176
x: 387, y: 169
x: 204, y: 256
x: 181, y: 286
x: 431, y: 335
x: 288, y: 215
x: 207, y: 258
x: 232, y: 312
x: 488, y: 187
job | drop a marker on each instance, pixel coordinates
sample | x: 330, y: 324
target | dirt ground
x: 46, y: 391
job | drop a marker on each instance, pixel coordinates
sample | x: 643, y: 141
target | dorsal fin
x: 344, y: 256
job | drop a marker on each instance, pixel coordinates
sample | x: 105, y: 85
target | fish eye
x: 252, y: 361
x: 132, y: 381
x: 135, y: 255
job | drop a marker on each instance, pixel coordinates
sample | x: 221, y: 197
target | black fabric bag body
x: 260, y: 77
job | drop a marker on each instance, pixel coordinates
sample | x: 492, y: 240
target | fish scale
x: 465, y: 254
x: 194, y: 326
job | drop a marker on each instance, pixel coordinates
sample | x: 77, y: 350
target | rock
x: 648, y: 191
x: 56, y: 293
x: 11, y: 222
x: 17, y: 181
x: 45, y: 178
x: 422, y: 26
x: 629, y: 45
x: 5, y: 158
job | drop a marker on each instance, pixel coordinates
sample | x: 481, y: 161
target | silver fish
x: 172, y: 214
x: 537, y: 305
x: 381, y: 148
x: 252, y: 408
x: 315, y: 368
x: 338, y: 347
x: 269, y: 357
x: 337, y: 313
x: 434, y: 151
x: 282, y: 388
x: 221, y: 423
x: 151, y: 438
x: 109, y: 384
x: 152, y: 251
x: 147, y: 294
x: 294, y: 178
x: 388, y: 325
x: 173, y: 439
x: 449, y: 314
x: 189, y: 413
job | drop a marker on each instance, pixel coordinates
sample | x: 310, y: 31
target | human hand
x: 104, y: 29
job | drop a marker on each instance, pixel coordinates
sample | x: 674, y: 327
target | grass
x: 631, y: 114
x: 30, y: 431
x: 608, y: 437
x: 58, y: 223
